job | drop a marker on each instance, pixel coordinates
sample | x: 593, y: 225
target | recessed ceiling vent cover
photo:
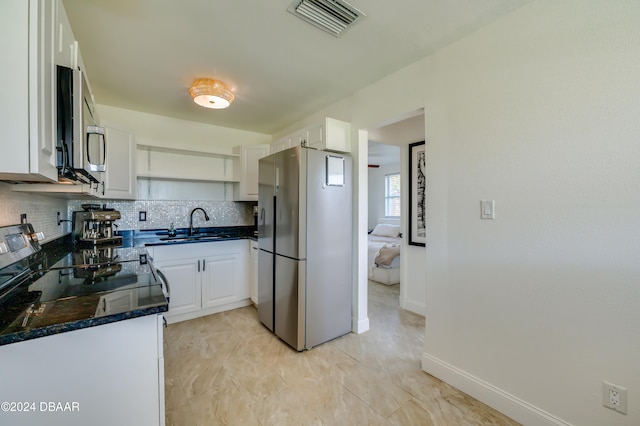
x: 332, y: 16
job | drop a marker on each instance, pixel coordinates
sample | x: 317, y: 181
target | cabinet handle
x: 102, y: 187
x: 203, y: 265
x: 198, y: 265
x: 104, y: 305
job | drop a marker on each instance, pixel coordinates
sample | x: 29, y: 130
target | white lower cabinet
x: 184, y: 283
x: 204, y: 278
x: 111, y: 374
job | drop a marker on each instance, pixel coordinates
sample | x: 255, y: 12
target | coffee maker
x: 94, y: 225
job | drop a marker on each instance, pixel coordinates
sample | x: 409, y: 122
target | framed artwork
x: 417, y: 195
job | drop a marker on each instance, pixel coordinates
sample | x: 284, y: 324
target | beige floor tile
x: 202, y: 378
x: 180, y: 416
x: 223, y: 404
x: 318, y: 391
x: 173, y: 393
x: 348, y: 409
x: 411, y: 413
x: 229, y: 369
x: 285, y: 408
x: 254, y: 376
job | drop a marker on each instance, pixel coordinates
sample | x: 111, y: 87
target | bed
x: 383, y: 256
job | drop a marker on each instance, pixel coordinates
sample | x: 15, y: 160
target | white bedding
x: 388, y: 275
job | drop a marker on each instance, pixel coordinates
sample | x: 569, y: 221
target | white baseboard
x: 510, y: 405
x: 414, y: 307
x: 360, y: 326
x: 171, y: 319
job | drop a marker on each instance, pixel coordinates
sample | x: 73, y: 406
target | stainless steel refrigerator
x: 305, y: 240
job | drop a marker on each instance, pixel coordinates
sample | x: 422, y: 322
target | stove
x: 40, y: 290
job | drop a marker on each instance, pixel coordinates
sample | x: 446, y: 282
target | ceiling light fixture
x: 211, y: 93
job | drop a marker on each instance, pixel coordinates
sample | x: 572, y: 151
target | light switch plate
x: 487, y: 209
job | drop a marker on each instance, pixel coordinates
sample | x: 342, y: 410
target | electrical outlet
x: 614, y: 397
x: 142, y: 216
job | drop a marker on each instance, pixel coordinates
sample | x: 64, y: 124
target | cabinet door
x: 332, y: 135
x: 247, y: 188
x: 250, y: 169
x: 42, y: 89
x: 27, y: 105
x: 280, y: 145
x: 119, y: 181
x: 299, y: 138
x: 65, y: 47
x: 219, y: 280
x: 184, y: 282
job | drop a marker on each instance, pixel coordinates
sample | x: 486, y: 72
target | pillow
x: 386, y: 230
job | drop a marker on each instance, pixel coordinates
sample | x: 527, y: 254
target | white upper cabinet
x: 246, y: 170
x: 119, y: 181
x: 65, y: 45
x: 28, y: 102
x: 330, y: 135
x: 280, y: 145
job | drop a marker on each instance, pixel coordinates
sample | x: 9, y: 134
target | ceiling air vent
x: 332, y: 16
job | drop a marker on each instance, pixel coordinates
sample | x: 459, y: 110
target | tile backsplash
x: 161, y: 213
x: 40, y: 209
x: 41, y: 212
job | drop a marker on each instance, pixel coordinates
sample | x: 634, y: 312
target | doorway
x: 388, y: 156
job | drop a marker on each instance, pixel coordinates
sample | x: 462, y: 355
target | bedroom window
x: 392, y: 195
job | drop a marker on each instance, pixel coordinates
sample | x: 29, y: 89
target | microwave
x: 81, y: 143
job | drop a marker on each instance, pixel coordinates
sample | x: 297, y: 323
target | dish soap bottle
x: 172, y: 231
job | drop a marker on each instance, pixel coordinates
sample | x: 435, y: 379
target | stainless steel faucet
x: 206, y: 217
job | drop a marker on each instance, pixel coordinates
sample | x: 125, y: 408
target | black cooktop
x: 82, y: 288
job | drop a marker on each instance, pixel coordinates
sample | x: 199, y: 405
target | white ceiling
x: 144, y: 54
x: 381, y: 154
x: 386, y: 141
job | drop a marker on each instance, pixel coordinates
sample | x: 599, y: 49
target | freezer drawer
x: 265, y: 288
x: 289, y: 301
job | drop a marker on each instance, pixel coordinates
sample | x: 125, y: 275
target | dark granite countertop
x: 58, y: 302
x: 25, y: 314
x: 160, y: 237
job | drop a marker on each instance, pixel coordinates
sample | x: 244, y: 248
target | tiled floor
x: 228, y: 369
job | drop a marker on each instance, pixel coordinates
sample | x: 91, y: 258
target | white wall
x: 538, y: 111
